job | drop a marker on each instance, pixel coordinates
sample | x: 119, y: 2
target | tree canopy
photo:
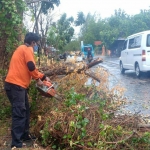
x: 118, y: 25
x: 62, y: 33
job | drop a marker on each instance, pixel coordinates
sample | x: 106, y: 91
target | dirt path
x: 6, y: 144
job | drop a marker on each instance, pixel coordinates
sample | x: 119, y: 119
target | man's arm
x: 30, y: 62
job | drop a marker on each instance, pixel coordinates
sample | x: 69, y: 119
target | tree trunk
x: 3, y: 53
x: 64, y: 70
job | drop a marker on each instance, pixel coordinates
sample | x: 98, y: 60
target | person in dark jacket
x: 65, y: 56
x: 89, y: 56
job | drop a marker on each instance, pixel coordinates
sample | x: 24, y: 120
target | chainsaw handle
x: 50, y: 86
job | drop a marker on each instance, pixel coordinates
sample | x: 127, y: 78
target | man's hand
x: 39, y: 82
x: 48, y: 79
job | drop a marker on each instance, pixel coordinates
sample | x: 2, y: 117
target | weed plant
x: 85, y: 118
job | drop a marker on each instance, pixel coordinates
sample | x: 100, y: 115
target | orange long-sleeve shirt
x: 22, y: 67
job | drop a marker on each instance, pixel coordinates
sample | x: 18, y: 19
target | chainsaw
x: 48, y: 89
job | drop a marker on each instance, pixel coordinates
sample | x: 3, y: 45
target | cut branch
x: 144, y: 125
x: 90, y: 65
x: 92, y: 76
x: 64, y: 70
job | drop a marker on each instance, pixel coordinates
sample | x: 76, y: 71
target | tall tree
x: 40, y: 6
x: 53, y: 38
x: 118, y: 25
x: 62, y: 33
x: 80, y: 19
x: 91, y: 28
x: 72, y: 46
x: 42, y: 14
x: 65, y: 30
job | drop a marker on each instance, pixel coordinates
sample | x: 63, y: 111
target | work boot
x: 14, y: 147
x: 29, y: 137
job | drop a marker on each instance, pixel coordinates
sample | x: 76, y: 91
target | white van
x: 136, y: 53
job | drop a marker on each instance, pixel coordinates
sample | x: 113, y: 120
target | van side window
x: 135, y: 42
x: 148, y: 40
x: 131, y: 43
x: 124, y: 45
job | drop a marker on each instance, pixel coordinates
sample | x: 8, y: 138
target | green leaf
x: 54, y: 146
x: 89, y: 144
x: 78, y: 126
x: 86, y: 120
x: 65, y: 136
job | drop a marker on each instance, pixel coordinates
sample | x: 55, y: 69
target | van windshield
x: 87, y: 49
x: 148, y: 40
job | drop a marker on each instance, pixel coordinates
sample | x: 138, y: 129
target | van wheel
x: 137, y: 70
x: 122, y: 70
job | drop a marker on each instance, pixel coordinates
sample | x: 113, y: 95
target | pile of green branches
x: 85, y: 118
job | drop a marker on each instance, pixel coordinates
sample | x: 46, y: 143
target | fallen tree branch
x: 64, y: 70
x: 144, y: 125
x: 90, y: 65
x: 92, y: 76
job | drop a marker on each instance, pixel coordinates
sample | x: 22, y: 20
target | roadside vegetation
x: 86, y: 117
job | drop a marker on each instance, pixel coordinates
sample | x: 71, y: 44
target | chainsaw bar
x: 58, y: 97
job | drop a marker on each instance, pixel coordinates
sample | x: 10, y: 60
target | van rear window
x: 148, y: 40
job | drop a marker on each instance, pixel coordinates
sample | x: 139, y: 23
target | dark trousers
x: 18, y: 98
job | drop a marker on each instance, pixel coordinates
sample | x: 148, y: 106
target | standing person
x: 65, y: 56
x: 21, y: 70
x: 89, y: 55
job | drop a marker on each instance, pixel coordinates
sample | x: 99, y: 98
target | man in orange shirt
x: 21, y: 70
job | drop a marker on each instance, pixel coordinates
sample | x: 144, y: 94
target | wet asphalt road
x: 137, y: 89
